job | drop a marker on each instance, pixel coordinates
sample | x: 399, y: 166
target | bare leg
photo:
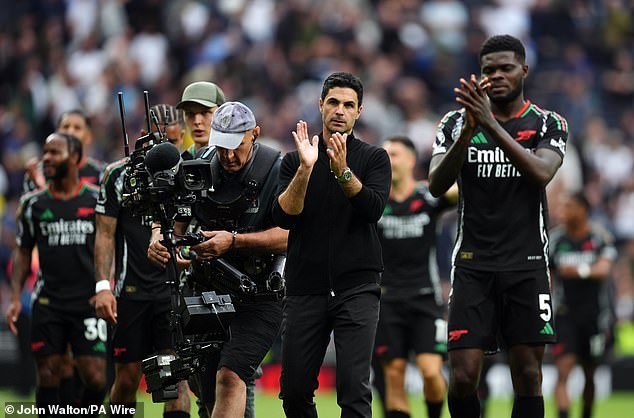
x: 565, y: 364
x: 231, y: 395
x: 395, y: 396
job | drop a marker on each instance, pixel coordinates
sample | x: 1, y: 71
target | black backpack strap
x: 265, y: 158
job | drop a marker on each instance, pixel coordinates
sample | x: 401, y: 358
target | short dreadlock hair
x: 168, y: 114
x: 74, y: 144
x: 499, y: 43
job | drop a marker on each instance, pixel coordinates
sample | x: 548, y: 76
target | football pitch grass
x: 618, y: 405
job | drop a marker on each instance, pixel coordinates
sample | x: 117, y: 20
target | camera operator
x: 199, y: 101
x: 141, y: 308
x: 237, y: 224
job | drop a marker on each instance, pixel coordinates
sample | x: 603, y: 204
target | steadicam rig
x: 157, y: 185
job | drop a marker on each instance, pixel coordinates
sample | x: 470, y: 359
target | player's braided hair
x: 74, y: 144
x: 173, y: 115
x: 500, y: 43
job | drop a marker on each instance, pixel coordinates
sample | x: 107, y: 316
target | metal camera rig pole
x: 167, y: 230
x: 146, y: 99
x: 126, y: 148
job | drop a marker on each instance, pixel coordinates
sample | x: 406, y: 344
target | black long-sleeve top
x: 333, y: 243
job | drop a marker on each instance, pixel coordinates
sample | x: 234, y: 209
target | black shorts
x: 52, y: 329
x: 578, y: 333
x: 253, y: 331
x: 413, y: 324
x: 489, y: 310
x: 142, y: 329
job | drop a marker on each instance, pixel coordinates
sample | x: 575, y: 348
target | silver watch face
x: 346, y: 176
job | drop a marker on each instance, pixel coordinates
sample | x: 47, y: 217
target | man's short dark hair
x: 499, y: 43
x: 74, y: 145
x: 77, y: 112
x: 342, y: 79
x: 581, y: 199
x: 405, y: 141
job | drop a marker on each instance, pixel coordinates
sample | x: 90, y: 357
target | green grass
x: 619, y: 405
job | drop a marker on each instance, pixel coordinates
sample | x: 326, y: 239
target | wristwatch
x: 583, y: 271
x: 345, y: 176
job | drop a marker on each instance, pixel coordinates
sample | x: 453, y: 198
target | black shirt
x: 407, y: 231
x: 502, y: 216
x: 64, y: 233
x: 333, y: 244
x: 136, y: 277
x: 580, y: 295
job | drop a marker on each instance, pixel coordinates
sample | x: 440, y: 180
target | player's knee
x: 95, y: 379
x: 432, y: 375
x: 127, y: 380
x: 228, y: 380
x: 68, y: 369
x: 49, y: 371
x: 394, y: 374
x: 463, y: 382
x: 528, y: 379
x: 431, y: 371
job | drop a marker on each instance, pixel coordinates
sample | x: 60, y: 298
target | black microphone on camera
x: 162, y: 157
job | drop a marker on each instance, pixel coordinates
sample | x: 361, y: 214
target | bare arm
x: 105, y: 302
x: 272, y: 240
x: 445, y: 168
x: 600, y: 270
x: 158, y: 253
x: 220, y: 242
x: 21, y: 269
x: 104, y: 246
x: 540, y: 166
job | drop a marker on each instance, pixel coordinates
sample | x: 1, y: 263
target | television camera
x: 158, y: 184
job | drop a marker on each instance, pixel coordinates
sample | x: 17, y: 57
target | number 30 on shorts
x: 544, y: 307
x: 95, y: 328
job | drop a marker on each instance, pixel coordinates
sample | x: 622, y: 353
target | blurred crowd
x: 56, y: 55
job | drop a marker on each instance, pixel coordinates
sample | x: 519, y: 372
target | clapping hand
x: 307, y: 148
x: 472, y: 95
x: 337, y: 152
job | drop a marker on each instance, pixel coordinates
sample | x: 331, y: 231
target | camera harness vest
x: 232, y: 196
x: 226, y: 201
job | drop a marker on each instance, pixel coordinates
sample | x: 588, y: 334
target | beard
x: 59, y: 173
x: 508, y: 98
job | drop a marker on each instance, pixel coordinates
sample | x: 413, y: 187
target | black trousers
x: 308, y: 321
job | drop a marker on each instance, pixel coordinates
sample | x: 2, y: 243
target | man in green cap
x: 199, y: 101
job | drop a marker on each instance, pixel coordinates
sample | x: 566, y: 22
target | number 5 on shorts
x: 544, y: 305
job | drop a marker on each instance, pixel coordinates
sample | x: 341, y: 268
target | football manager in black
x: 333, y: 191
